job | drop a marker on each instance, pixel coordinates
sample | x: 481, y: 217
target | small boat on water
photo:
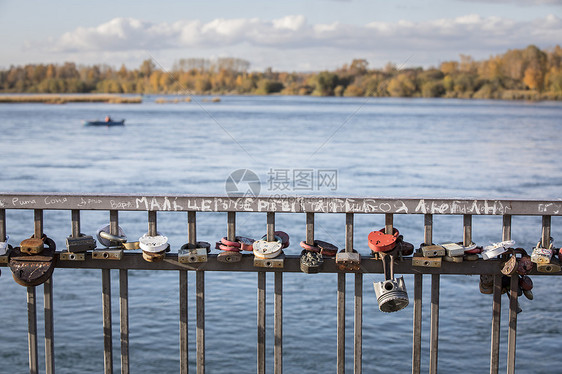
x: 105, y: 123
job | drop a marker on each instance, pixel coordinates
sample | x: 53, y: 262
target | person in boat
x: 107, y: 119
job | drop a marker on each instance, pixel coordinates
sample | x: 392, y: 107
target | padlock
x: 428, y: 262
x: 391, y: 294
x: 471, y: 257
x: 153, y: 247
x: 108, y: 240
x: 107, y: 254
x: 311, y: 262
x: 33, y: 270
x: 5, y: 249
x: 326, y: 249
x: 71, y: 256
x: 404, y: 248
x: 472, y: 249
x: 486, y: 284
x: 277, y: 262
x: 496, y: 249
x: 433, y: 250
x: 82, y: 243
x: 33, y: 245
x: 379, y: 241
x: 526, y: 283
x: 348, y: 261
x: 453, y: 258
x: 453, y: 249
x: 229, y: 256
x: 246, y: 244
x: 510, y: 266
x: 284, y: 237
x: 541, y: 255
x: 552, y: 267
x: 524, y: 265
x: 528, y: 294
x: 190, y: 253
x: 266, y: 250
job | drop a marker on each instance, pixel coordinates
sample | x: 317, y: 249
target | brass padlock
x: 277, y: 262
x: 33, y: 245
x: 107, y: 254
x: 391, y: 295
x: 433, y: 250
x: 428, y: 262
x: 311, y: 262
x: 552, y: 267
x: 348, y: 261
x: 82, y: 243
x: 32, y: 270
x: 71, y: 256
x: 510, y: 266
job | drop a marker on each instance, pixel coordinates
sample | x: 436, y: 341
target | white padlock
x: 153, y: 244
x: 265, y: 249
x: 496, y: 249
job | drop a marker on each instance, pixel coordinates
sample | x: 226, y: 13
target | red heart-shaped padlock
x: 381, y: 242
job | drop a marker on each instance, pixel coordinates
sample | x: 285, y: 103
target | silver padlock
x: 82, y: 243
x: 4, y: 251
x: 453, y: 249
x: 496, y: 249
x: 391, y: 295
x: 311, y: 262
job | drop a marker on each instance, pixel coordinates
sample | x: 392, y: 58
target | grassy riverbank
x: 63, y: 99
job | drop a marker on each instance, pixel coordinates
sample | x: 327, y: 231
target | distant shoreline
x: 72, y: 98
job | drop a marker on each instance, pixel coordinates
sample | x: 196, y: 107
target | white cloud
x: 295, y: 37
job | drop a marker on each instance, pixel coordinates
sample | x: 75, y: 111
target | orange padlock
x: 381, y: 242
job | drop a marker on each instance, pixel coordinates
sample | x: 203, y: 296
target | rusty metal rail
x: 309, y: 206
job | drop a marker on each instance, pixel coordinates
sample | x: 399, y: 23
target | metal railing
x: 272, y: 206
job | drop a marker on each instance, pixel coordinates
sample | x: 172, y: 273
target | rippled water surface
x: 379, y: 147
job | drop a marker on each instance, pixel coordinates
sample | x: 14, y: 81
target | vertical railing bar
x: 32, y: 303
x: 434, y: 332
x: 75, y: 215
x: 496, y: 324
x: 512, y: 334
x: 497, y: 305
x: 231, y: 226
x: 32, y: 330
x: 261, y: 323
x: 49, y: 326
x: 124, y: 315
x: 310, y: 228
x: 358, y: 300
x: 388, y: 223
x: 418, y: 295
x: 2, y: 225
x: 270, y: 226
x: 467, y: 230
x: 192, y: 227
x: 434, y: 323
x: 278, y: 324
x: 545, y: 234
x: 184, y: 358
x: 200, y: 310
x: 341, y: 324
x: 152, y: 223
x: 106, y: 302
x: 349, y: 217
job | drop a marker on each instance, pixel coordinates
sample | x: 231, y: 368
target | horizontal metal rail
x: 290, y: 204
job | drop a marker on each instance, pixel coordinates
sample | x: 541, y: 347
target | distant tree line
x: 529, y: 73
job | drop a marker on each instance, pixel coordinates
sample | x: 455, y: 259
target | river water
x: 295, y: 145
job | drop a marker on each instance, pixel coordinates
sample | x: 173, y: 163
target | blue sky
x: 286, y: 35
